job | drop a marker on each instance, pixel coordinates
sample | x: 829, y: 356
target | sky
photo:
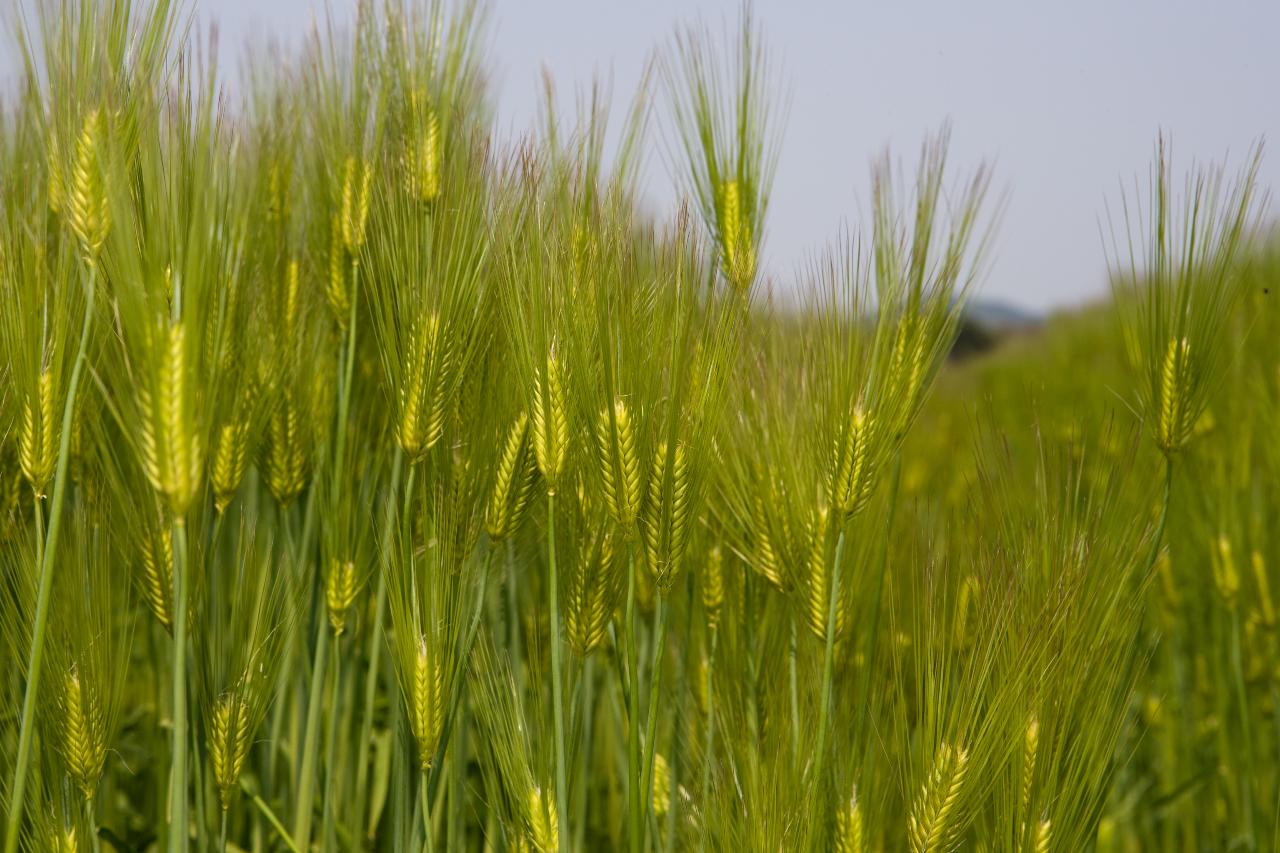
x: 1064, y: 99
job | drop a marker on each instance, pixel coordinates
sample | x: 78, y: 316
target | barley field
x: 367, y: 484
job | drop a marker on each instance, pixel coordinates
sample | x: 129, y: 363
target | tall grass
x: 368, y: 483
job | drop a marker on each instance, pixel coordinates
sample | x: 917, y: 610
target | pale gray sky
x: 1066, y: 98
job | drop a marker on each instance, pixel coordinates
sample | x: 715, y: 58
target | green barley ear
x: 767, y: 557
x: 593, y: 588
x: 337, y: 289
x: 229, y: 459
x: 1174, y: 424
x: 850, y: 834
x: 421, y: 157
x: 665, y: 524
x: 619, y: 465
x: 156, y: 550
x: 38, y: 436
x: 426, y: 710
x: 229, y: 742
x: 171, y: 452
x: 340, y: 589
x: 661, y: 799
x: 1030, y: 746
x: 544, y: 823
x: 1044, y: 836
x: 854, y: 475
x: 550, y: 421
x: 356, y: 185
x: 83, y: 729
x: 286, y: 455
x: 88, y: 213
x: 1226, y: 577
x: 422, y: 393
x: 964, y: 609
x: 819, y: 578
x: 713, y: 586
x: 1265, y: 603
x: 512, y: 482
x: 931, y: 825
x: 737, y: 245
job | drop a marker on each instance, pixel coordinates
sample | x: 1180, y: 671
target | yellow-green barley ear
x: 88, y: 213
x: 339, y: 592
x: 338, y: 289
x: 1175, y: 420
x: 55, y: 183
x: 1226, y: 577
x: 854, y: 480
x: 590, y: 598
x: 230, y: 458
x: 619, y: 465
x: 84, y: 746
x: 157, y: 573
x: 228, y: 744
x: 1044, y: 836
x: 171, y: 451
x: 713, y: 586
x: 819, y: 577
x: 38, y: 437
x: 512, y: 482
x: 661, y: 785
x: 544, y: 823
x: 768, y: 561
x: 356, y: 186
x: 1265, y: 603
x: 426, y: 714
x: 550, y: 421
x: 964, y: 610
x: 666, y: 514
x: 421, y: 159
x: 286, y: 456
x: 737, y: 244
x: 850, y: 833
x: 932, y: 824
x: 1030, y: 746
x: 422, y: 391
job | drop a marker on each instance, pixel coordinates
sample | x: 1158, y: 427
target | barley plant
x: 370, y: 483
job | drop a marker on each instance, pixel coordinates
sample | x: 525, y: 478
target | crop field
x: 369, y: 484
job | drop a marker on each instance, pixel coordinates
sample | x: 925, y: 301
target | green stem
x: 91, y: 818
x: 514, y: 627
x: 828, y: 666
x: 331, y: 743
x: 795, y: 693
x: 305, y: 806
x: 708, y: 749
x: 26, y: 733
x: 179, y: 787
x: 1242, y: 699
x: 375, y: 651
x: 655, y: 683
x: 557, y: 675
x: 635, y: 825
x: 874, y: 635
x: 423, y: 787
x: 262, y: 807
x: 222, y: 833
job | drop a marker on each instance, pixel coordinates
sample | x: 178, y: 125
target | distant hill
x: 986, y: 323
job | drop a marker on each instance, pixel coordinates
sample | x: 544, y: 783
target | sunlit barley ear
x: 544, y: 823
x: 713, y: 586
x: 619, y: 465
x: 1226, y: 577
x: 853, y: 479
x: 819, y: 575
x: 931, y: 826
x: 850, y: 834
x: 1030, y: 746
x: 230, y: 457
x: 286, y: 456
x: 767, y: 558
x: 171, y: 453
x: 964, y: 609
x: 512, y: 483
x: 1175, y: 420
x: 422, y: 394
x: 665, y: 523
x: 737, y: 245
x: 337, y: 289
x: 83, y: 730
x: 661, y: 785
x: 38, y: 435
x: 550, y: 421
x: 421, y: 158
x: 55, y: 180
x: 229, y: 741
x: 1044, y: 836
x: 591, y: 591
x: 88, y: 213
x: 340, y: 592
x: 356, y: 186
x: 1266, y: 605
x: 426, y: 713
x: 156, y: 551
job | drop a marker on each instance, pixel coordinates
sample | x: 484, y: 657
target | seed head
x: 340, y: 592
x: 544, y: 823
x: 88, y: 213
x: 713, y: 586
x: 427, y: 711
x: 157, y: 573
x: 666, y: 516
x: 550, y: 421
x: 422, y: 392
x: 738, y: 251
x: 171, y: 451
x: 422, y: 152
x: 230, y: 460
x: 84, y: 737
x: 512, y: 482
x: 820, y: 576
x: 853, y: 481
x: 1175, y: 418
x: 228, y: 743
x: 337, y: 289
x: 931, y: 827
x: 356, y: 184
x: 619, y: 465
x: 661, y: 785
x: 37, y: 441
x: 850, y: 834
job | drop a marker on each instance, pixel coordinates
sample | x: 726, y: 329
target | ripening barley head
x: 229, y: 741
x: 513, y: 482
x: 933, y: 823
x: 357, y: 184
x: 87, y: 209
